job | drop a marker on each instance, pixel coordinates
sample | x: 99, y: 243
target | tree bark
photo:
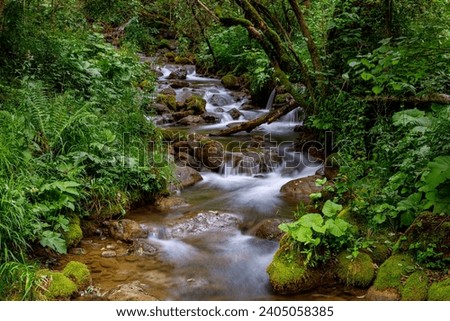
x: 248, y: 126
x: 312, y: 48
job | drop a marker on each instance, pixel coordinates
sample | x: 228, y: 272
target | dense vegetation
x: 376, y: 73
x: 74, y: 141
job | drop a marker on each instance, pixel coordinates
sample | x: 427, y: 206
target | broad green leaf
x: 366, y: 76
x: 377, y: 90
x: 314, y: 221
x: 439, y: 172
x: 411, y: 117
x: 315, y: 196
x: 379, y: 218
x: 336, y: 227
x: 302, y: 234
x: 412, y: 202
x: 331, y: 209
x: 54, y: 241
x: 321, y: 182
x: 354, y: 63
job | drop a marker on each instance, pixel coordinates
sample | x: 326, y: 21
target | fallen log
x: 248, y: 126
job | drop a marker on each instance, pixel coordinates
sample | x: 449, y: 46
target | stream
x: 205, y: 248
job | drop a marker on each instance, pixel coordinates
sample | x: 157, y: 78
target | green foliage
x: 18, y: 281
x: 73, y: 134
x: 317, y: 236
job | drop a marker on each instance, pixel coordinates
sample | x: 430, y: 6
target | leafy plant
x: 318, y: 236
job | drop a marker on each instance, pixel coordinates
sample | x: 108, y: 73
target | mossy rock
x: 282, y: 98
x: 358, y: 271
x: 183, y: 61
x: 230, y: 81
x: 195, y: 103
x: 57, y: 285
x: 170, y: 56
x: 167, y: 100
x: 379, y: 252
x: 415, y: 287
x: 439, y: 291
x: 392, y: 271
x: 74, y: 234
x: 427, y: 231
x: 78, y: 273
x: 289, y: 275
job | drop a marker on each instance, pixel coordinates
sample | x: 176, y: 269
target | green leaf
x: 54, y: 241
x: 354, y: 63
x: 379, y: 218
x: 315, y: 196
x: 314, y: 221
x: 377, y: 90
x: 331, y: 209
x: 366, y: 76
x: 321, y: 182
x: 411, y: 117
x: 337, y: 227
x: 302, y: 234
x: 439, y: 172
x: 412, y: 202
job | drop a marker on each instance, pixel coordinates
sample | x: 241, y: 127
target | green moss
x: 439, y: 291
x: 392, y: 271
x: 170, y: 56
x: 57, y: 285
x: 415, y: 287
x: 168, y: 100
x: 196, y: 103
x: 286, y: 271
x: 282, y: 98
x: 230, y: 81
x: 182, y: 60
x: 78, y: 273
x: 358, y: 271
x: 74, y: 234
x: 380, y: 252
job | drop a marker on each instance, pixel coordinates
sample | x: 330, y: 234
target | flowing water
x: 206, y: 248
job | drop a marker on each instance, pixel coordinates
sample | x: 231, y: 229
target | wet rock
x: 77, y: 251
x: 197, y: 223
x: 168, y: 91
x: 191, y: 120
x: 238, y: 95
x: 159, y: 108
x: 166, y: 203
x: 109, y: 253
x: 235, y: 113
x: 219, y: 110
x: 184, y: 159
x: 126, y: 230
x: 187, y: 176
x: 144, y: 248
x: 268, y: 229
x: 176, y: 84
x: 179, y: 74
x: 210, y: 118
x: 249, y: 107
x: 382, y: 295
x: 300, y: 189
x: 211, y: 154
x: 134, y: 291
x: 219, y: 100
x: 230, y: 81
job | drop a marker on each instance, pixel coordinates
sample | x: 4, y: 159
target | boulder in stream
x: 134, y: 291
x: 300, y: 189
x: 126, y: 230
x: 200, y: 222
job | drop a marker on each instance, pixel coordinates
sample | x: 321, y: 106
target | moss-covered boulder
x: 393, y: 270
x: 79, y: 273
x: 289, y: 275
x: 439, y: 291
x: 388, y: 284
x: 355, y: 271
x: 427, y: 239
x: 379, y: 252
x: 183, y: 60
x: 74, y: 234
x: 230, y: 81
x: 170, y: 56
x: 195, y: 103
x: 415, y: 287
x: 168, y: 100
x: 56, y: 285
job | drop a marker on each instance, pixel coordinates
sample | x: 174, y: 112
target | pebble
x: 109, y: 253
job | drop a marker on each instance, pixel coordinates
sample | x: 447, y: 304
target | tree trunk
x: 248, y: 126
